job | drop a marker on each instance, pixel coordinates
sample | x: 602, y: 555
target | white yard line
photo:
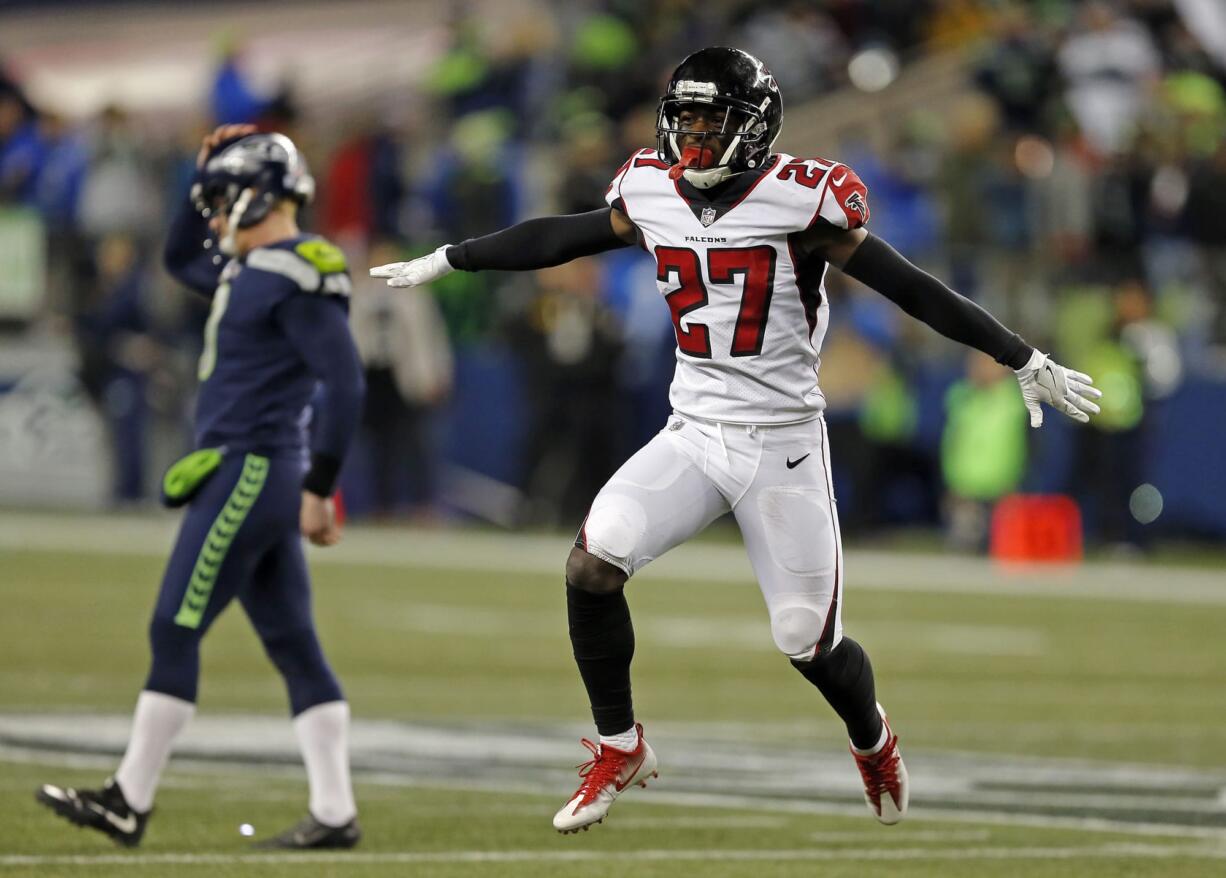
x: 499, y: 553
x: 717, y: 801
x: 1158, y: 852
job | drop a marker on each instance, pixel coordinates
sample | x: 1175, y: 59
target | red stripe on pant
x: 824, y: 642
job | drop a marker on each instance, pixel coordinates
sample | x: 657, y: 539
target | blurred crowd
x: 1075, y: 189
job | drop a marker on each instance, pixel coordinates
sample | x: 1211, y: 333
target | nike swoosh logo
x: 840, y: 181
x: 792, y: 464
x: 620, y: 785
x: 125, y: 825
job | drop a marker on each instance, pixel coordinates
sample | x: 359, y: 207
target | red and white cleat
x: 886, y: 791
x: 605, y: 776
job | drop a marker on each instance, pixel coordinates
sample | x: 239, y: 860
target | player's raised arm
x: 192, y: 254
x: 876, y: 264
x: 185, y: 255
x: 535, y: 243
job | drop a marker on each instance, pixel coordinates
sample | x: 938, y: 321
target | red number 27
x: 755, y: 265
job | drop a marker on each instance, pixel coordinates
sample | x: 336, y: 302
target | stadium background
x: 1063, y: 163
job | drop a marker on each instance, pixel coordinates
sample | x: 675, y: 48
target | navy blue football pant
x: 240, y: 539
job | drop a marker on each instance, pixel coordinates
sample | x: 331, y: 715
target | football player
x: 278, y: 328
x: 741, y: 237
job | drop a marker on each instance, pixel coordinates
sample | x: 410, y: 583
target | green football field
x: 1055, y: 722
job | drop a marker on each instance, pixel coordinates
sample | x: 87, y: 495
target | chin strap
x: 226, y: 244
x: 705, y: 179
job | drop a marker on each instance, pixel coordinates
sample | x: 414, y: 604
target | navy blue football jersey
x: 278, y: 328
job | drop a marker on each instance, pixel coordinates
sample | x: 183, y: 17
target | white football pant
x: 776, y: 482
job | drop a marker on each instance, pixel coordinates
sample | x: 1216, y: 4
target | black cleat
x: 105, y: 810
x: 311, y: 834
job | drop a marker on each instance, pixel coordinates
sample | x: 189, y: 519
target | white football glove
x: 419, y: 271
x: 1063, y: 389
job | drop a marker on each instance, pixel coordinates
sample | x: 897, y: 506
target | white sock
x: 156, y: 723
x: 626, y: 741
x: 323, y: 737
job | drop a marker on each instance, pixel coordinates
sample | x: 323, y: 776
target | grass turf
x: 1115, y: 682
x: 423, y: 831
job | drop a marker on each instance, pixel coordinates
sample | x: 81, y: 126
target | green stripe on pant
x: 217, y: 543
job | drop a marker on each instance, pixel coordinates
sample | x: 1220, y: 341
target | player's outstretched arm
x: 876, y: 264
x: 533, y: 244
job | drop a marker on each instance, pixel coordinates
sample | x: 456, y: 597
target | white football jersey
x: 749, y: 319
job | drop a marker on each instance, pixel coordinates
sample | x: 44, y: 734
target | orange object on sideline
x: 1036, y: 527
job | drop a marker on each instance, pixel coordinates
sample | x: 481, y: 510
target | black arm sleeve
x: 878, y: 265
x: 538, y: 243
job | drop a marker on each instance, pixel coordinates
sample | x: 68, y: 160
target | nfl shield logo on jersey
x: 708, y: 216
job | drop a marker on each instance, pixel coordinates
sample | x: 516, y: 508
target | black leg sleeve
x: 603, y: 642
x: 844, y: 676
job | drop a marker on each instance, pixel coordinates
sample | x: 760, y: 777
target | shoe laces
x: 880, y: 770
x: 599, y: 771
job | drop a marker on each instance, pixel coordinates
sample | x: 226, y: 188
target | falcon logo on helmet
x: 736, y: 83
x: 246, y: 178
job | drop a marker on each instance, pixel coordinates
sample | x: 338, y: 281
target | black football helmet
x: 731, y: 80
x: 246, y: 177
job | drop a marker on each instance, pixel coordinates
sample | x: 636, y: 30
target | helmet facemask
x: 737, y: 144
x: 240, y: 206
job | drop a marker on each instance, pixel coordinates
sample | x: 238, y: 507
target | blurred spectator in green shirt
x: 983, y: 448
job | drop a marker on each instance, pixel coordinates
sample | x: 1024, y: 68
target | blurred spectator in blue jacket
x: 232, y: 100
x: 22, y: 150
x: 118, y: 353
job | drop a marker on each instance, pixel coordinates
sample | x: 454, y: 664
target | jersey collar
x: 710, y: 205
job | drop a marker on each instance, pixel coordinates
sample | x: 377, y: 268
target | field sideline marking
x: 536, y: 554
x: 543, y: 856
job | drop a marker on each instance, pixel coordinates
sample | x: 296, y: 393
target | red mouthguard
x: 692, y: 157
